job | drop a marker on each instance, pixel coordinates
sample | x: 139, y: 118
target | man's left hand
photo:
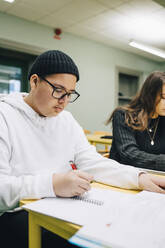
x: 152, y: 183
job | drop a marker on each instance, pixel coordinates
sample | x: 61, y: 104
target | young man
x: 38, y: 139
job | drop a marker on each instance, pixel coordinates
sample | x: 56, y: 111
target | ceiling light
x: 148, y: 49
x: 9, y: 1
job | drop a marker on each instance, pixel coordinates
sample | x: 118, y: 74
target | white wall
x: 96, y: 64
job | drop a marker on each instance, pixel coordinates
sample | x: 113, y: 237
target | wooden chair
x: 102, y: 133
x: 106, y: 155
x: 106, y: 147
x: 87, y: 131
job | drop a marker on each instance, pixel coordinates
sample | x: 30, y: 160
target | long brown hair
x: 142, y: 106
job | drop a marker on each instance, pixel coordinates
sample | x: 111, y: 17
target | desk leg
x: 93, y: 143
x: 34, y: 232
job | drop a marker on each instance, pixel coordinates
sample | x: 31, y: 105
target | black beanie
x: 52, y: 62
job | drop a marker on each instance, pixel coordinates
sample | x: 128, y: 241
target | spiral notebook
x: 78, y: 210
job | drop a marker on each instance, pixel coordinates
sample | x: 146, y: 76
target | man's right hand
x: 72, y: 183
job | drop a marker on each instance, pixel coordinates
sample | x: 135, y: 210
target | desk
x: 95, y: 139
x: 59, y: 227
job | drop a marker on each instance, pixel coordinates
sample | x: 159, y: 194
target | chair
x: 87, y: 131
x: 106, y: 155
x: 106, y: 147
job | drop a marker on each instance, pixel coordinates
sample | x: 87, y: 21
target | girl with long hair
x: 139, y: 127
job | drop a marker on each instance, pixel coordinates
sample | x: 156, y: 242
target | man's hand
x: 72, y: 183
x: 152, y: 183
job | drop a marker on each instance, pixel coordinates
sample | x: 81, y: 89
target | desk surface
x: 60, y: 227
x: 95, y: 138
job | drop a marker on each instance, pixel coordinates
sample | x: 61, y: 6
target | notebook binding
x: 85, y: 199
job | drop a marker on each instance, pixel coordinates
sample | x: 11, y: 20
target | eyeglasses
x: 60, y: 92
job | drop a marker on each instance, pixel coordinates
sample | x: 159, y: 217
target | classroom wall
x: 97, y: 65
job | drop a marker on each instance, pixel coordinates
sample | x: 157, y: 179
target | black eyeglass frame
x: 65, y: 94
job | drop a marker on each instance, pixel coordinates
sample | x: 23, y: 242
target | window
x: 10, y: 79
x: 14, y: 68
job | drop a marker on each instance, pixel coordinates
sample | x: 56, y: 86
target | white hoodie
x: 32, y: 148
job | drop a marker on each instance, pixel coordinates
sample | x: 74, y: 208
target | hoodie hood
x: 16, y: 101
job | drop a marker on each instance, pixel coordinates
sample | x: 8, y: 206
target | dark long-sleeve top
x: 134, y: 147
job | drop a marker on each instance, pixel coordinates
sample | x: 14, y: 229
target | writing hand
x: 72, y: 183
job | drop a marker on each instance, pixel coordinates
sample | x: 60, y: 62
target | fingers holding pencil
x: 72, y: 183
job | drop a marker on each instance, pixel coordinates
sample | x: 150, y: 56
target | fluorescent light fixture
x: 9, y: 1
x: 148, y: 49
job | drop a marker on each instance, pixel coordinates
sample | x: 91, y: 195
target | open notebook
x: 79, y: 210
x: 138, y: 222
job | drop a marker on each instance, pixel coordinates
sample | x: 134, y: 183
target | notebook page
x: 76, y: 211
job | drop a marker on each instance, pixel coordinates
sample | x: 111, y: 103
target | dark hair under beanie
x: 52, y: 62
